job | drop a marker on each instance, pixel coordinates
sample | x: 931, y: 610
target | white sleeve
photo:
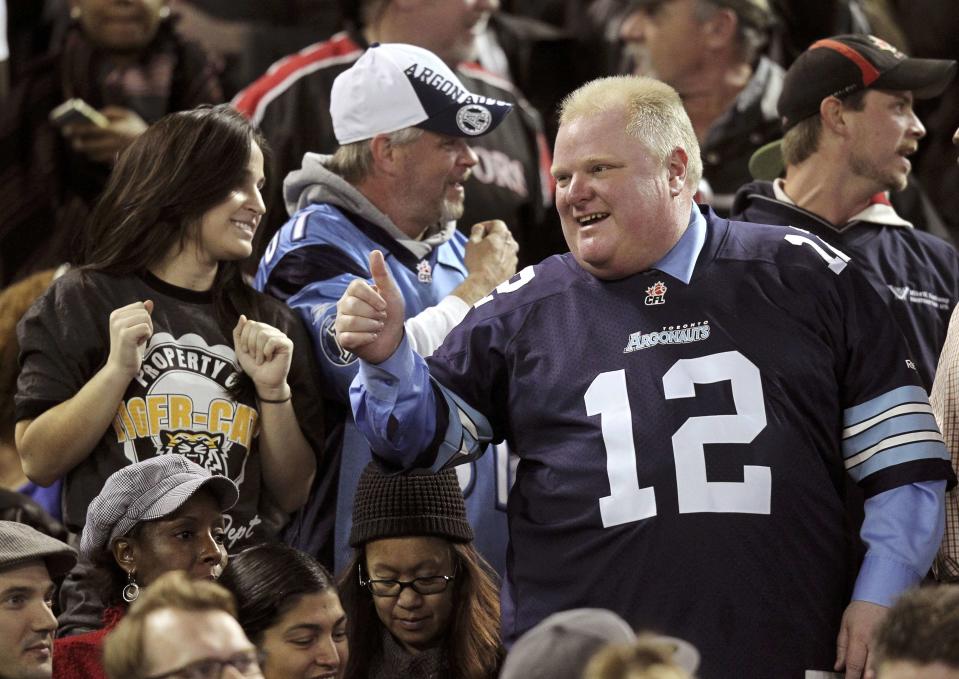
x: 427, y: 329
x: 4, y: 48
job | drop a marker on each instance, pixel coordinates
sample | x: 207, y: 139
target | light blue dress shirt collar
x: 680, y: 261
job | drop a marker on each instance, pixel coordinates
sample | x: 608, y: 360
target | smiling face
x: 120, y: 25
x: 226, y: 230
x: 620, y: 207
x: 432, y: 171
x: 417, y: 621
x: 190, y: 540
x: 27, y: 622
x: 308, y: 641
x: 881, y: 136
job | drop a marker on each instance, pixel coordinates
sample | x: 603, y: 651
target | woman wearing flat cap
x: 421, y: 602
x: 155, y: 516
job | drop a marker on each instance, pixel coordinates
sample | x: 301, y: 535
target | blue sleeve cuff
x: 882, y: 580
x: 902, y: 530
x: 381, y: 379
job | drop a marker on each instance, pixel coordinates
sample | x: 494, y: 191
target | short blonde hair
x: 654, y: 115
x: 646, y: 658
x: 123, y: 656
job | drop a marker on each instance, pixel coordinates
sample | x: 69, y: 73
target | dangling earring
x: 164, y: 12
x: 132, y: 590
x: 76, y: 13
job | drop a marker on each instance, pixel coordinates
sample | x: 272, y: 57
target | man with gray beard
x: 847, y: 113
x: 402, y: 118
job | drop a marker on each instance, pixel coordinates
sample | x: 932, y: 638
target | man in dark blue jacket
x: 847, y: 111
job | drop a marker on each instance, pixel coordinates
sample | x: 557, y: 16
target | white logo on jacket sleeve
x: 331, y: 349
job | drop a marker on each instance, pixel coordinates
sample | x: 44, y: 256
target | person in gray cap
x: 152, y: 517
x: 710, y: 51
x: 29, y: 560
x: 561, y: 646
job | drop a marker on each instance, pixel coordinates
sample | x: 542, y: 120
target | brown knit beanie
x: 417, y: 503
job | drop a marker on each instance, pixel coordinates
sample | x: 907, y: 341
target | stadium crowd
x: 580, y: 339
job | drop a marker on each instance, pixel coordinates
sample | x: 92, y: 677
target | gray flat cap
x: 146, y: 491
x: 20, y: 544
x: 562, y: 645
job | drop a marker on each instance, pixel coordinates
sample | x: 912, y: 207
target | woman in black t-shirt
x: 157, y: 346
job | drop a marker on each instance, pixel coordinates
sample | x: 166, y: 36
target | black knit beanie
x: 396, y: 505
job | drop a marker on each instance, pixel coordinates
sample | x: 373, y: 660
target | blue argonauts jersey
x: 309, y: 263
x: 682, y: 448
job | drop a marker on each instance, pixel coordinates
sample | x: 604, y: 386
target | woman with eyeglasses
x: 421, y: 601
x: 288, y: 607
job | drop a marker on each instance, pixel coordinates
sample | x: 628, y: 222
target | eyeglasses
x: 393, y: 588
x: 246, y: 663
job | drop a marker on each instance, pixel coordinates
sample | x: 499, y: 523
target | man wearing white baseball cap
x: 389, y: 197
x: 291, y: 103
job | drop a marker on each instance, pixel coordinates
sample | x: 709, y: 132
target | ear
x: 124, y: 552
x: 720, y: 29
x: 385, y: 155
x: 676, y: 166
x: 831, y: 112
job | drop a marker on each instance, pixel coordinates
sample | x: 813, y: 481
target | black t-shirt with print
x: 179, y: 402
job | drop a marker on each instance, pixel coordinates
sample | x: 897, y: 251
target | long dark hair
x: 268, y: 580
x: 472, y: 643
x: 163, y: 183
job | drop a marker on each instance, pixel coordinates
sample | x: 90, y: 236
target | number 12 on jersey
x: 607, y: 397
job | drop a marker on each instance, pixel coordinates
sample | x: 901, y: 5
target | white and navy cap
x: 146, y: 491
x: 394, y: 86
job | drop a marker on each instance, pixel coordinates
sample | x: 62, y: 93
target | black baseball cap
x: 837, y: 67
x: 844, y: 64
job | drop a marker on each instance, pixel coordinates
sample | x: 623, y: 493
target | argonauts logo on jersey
x: 673, y: 334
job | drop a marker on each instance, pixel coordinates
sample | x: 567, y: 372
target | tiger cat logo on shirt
x: 203, y: 448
